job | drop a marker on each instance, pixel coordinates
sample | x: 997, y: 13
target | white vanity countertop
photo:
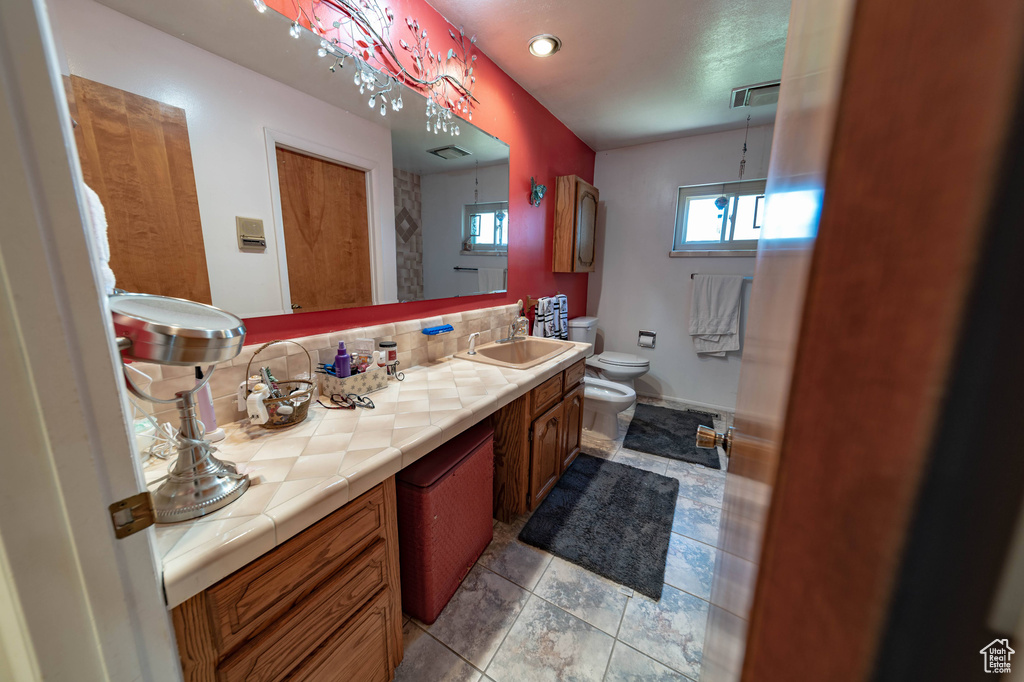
x: 303, y: 473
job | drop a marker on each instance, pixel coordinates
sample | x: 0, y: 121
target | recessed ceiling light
x: 544, y: 45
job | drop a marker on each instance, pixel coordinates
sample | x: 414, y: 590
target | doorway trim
x: 91, y: 605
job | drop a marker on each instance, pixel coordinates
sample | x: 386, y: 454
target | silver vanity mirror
x: 236, y: 170
x: 170, y: 331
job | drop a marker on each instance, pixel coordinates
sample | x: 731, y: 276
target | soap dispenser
x: 342, y: 362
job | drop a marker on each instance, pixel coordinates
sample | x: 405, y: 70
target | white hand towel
x: 98, y: 223
x: 715, y: 314
x: 490, y: 279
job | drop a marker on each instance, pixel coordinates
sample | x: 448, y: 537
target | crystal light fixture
x: 360, y: 31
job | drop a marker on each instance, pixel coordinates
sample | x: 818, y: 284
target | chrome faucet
x: 520, y: 326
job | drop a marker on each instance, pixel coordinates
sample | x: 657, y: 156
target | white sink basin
x: 522, y: 353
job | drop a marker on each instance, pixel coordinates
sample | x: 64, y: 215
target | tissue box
x: 360, y: 384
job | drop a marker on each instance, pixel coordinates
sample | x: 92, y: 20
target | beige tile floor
x: 524, y: 615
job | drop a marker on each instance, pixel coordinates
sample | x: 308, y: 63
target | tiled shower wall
x: 409, y: 235
x: 288, y: 360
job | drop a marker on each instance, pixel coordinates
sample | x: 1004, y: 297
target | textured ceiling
x: 638, y: 71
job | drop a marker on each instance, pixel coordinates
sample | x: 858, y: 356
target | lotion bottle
x: 342, y: 362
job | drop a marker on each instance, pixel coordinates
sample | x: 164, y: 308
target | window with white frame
x: 721, y: 217
x: 485, y: 228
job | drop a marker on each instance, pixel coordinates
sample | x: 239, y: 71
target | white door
x: 75, y: 603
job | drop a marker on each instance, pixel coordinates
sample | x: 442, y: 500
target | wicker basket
x: 299, y: 400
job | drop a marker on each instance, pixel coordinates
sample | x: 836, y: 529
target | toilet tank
x: 584, y: 330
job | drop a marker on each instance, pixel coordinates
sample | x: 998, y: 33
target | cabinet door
x: 573, y: 406
x: 546, y: 453
x: 586, y: 225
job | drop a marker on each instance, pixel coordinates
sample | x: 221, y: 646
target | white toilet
x: 608, y: 383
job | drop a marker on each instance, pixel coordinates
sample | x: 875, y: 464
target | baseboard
x: 722, y: 411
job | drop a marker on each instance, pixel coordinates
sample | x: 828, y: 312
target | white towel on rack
x: 538, y: 316
x: 490, y: 279
x: 563, y: 316
x: 556, y: 316
x: 549, y: 317
x: 715, y: 314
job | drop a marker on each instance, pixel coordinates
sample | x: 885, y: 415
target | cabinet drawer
x: 546, y: 395
x: 574, y: 374
x: 290, y: 639
x: 359, y: 651
x: 247, y: 601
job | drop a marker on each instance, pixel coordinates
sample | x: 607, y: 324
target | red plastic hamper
x: 444, y: 519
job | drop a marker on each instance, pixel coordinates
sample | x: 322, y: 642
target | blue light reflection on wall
x: 792, y: 214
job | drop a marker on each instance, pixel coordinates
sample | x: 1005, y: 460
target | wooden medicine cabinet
x: 575, y: 223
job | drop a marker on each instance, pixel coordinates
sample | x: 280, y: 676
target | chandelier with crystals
x: 358, y: 33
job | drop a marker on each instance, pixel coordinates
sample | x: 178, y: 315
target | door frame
x: 89, y: 606
x: 374, y: 188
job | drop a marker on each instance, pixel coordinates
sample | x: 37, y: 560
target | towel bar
x: 749, y: 278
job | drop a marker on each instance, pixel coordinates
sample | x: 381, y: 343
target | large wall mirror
x: 258, y: 181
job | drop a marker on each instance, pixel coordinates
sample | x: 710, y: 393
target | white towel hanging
x: 715, y: 314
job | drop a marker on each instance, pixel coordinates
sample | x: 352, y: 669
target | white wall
x: 227, y: 108
x: 444, y: 196
x: 637, y: 285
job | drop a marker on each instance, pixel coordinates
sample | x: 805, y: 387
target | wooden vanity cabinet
x: 536, y: 438
x: 576, y: 203
x: 325, y: 605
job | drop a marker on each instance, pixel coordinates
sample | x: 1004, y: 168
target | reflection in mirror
x: 250, y: 180
x: 451, y: 211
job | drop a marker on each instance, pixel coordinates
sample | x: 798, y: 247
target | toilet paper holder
x: 646, y: 338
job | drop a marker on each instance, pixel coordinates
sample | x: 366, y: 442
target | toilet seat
x: 607, y: 394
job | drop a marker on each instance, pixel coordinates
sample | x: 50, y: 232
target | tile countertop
x: 302, y: 474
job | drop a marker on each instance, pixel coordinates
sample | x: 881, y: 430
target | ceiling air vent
x: 449, y: 152
x: 755, y: 95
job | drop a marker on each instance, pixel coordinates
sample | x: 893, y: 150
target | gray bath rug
x: 670, y: 433
x: 611, y: 519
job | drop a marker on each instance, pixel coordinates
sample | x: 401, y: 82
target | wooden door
x: 573, y: 403
x: 326, y: 233
x: 135, y: 154
x: 586, y: 226
x: 851, y: 348
x: 546, y: 453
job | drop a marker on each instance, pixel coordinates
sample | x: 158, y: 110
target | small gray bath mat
x: 611, y: 519
x: 670, y: 433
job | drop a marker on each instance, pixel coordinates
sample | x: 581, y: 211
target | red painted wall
x: 540, y: 146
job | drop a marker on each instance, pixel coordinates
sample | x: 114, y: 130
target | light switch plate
x: 646, y: 338
x: 250, y: 234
